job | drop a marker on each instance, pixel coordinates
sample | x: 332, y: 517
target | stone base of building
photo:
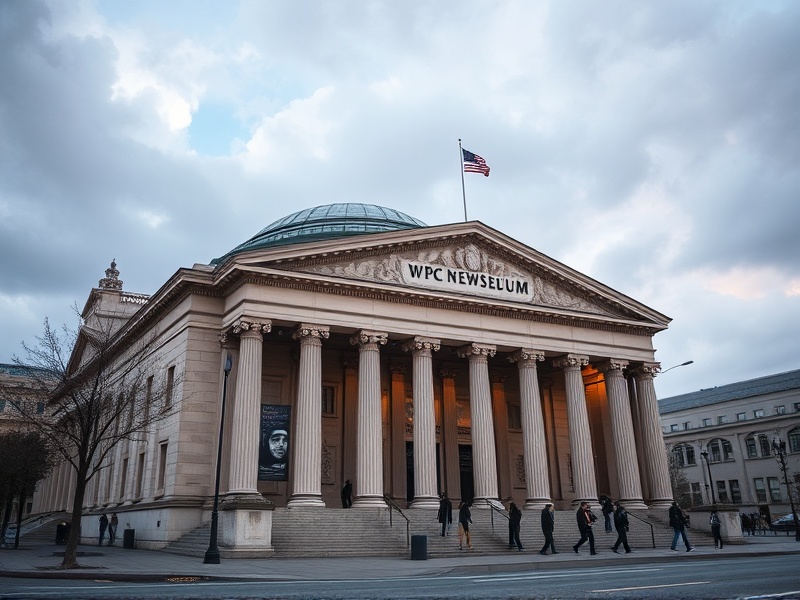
x: 245, y: 527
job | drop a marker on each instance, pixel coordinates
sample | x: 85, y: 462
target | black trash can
x: 419, y: 547
x: 128, y: 538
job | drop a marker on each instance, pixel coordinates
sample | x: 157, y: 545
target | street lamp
x: 212, y: 554
x: 704, y: 454
x: 688, y: 362
x: 779, y: 446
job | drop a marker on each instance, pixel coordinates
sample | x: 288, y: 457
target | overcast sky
x: 653, y: 146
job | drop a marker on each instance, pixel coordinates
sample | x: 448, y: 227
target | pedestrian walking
x: 548, y: 526
x: 103, y: 527
x: 347, y: 494
x: 464, y: 521
x: 621, y: 525
x: 607, y: 508
x: 586, y: 519
x: 716, y: 528
x: 112, y: 529
x: 678, y: 521
x: 514, y: 520
x: 445, y: 515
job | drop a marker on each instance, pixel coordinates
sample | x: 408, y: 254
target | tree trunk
x: 22, y: 495
x: 6, y: 515
x: 70, y: 551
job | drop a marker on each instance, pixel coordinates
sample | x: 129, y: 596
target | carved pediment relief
x: 462, y: 269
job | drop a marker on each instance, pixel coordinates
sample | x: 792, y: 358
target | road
x: 746, y: 577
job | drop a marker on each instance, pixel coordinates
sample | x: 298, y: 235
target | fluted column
x: 484, y: 458
x: 534, y: 443
x: 307, y: 462
x: 422, y: 350
x: 580, y: 437
x: 653, y: 437
x: 630, y: 487
x: 452, y: 486
x: 369, y: 470
x: 245, y: 417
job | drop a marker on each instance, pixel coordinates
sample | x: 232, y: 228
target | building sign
x: 273, y: 449
x: 517, y: 287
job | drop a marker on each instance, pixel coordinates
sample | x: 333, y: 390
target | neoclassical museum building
x: 411, y: 360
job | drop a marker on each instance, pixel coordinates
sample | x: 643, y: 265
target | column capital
x: 309, y: 330
x: 571, y: 360
x: 254, y: 325
x: 646, y: 370
x: 611, y: 365
x: 369, y: 337
x: 475, y: 349
x: 422, y: 343
x: 525, y: 355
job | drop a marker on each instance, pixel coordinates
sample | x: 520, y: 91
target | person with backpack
x: 716, y: 527
x: 514, y: 519
x: 621, y: 525
x: 678, y: 521
x: 607, y: 508
x: 586, y: 519
x: 103, y: 527
x: 445, y: 514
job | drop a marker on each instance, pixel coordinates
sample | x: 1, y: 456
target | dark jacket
x: 464, y: 515
x: 621, y: 519
x: 445, y: 511
x: 515, y: 516
x: 585, y: 518
x: 677, y: 520
x: 548, y: 521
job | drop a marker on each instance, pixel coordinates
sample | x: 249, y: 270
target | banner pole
x: 463, y: 189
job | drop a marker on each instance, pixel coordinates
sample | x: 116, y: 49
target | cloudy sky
x: 654, y: 146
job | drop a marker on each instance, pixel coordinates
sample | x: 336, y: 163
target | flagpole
x: 463, y: 189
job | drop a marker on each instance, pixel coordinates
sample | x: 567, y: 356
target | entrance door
x: 465, y: 471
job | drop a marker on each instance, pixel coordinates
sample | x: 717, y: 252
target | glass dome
x: 328, y: 222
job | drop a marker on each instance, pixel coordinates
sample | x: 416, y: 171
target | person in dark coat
x: 445, y: 515
x: 677, y: 520
x: 347, y: 494
x: 112, y: 529
x: 621, y: 525
x: 716, y: 528
x: 464, y: 521
x: 514, y: 519
x: 607, y: 508
x: 586, y: 520
x: 103, y: 527
x: 548, y: 526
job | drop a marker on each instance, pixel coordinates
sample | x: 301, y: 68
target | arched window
x: 720, y: 450
x: 794, y: 440
x: 683, y: 455
x: 763, y: 442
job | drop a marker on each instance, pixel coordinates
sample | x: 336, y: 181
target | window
x: 722, y: 419
x: 742, y: 416
x: 774, y: 489
x: 139, y: 476
x: 40, y: 408
x: 161, y: 475
x: 2, y: 405
x: 780, y: 410
x: 328, y: 401
x: 722, y: 492
x: 170, y: 387
x: 794, y: 440
x: 758, y: 413
x: 514, y: 416
x: 797, y: 407
x: 687, y: 425
x: 673, y: 427
x: 697, y: 495
x: 761, y: 491
x: 764, y: 443
x: 720, y: 450
x: 736, y: 493
x: 706, y: 422
x: 683, y: 455
x: 123, y: 478
x: 752, y: 451
x: 148, y: 398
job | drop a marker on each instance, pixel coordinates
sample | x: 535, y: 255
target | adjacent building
x: 722, y: 440
x: 412, y: 360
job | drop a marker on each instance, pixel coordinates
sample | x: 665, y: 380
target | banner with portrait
x: 273, y: 448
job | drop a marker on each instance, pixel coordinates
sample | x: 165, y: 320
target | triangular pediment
x: 469, y: 261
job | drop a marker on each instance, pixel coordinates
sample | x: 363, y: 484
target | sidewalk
x: 117, y: 564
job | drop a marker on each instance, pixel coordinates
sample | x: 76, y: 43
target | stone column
x: 630, y: 487
x: 580, y: 436
x: 398, y: 432
x: 422, y: 350
x: 246, y: 413
x: 369, y: 471
x: 534, y: 441
x: 307, y: 461
x: 484, y: 460
x: 452, y: 485
x: 500, y: 422
x: 653, y: 437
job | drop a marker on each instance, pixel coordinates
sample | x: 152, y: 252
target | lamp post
x: 704, y: 454
x: 688, y: 362
x: 779, y: 446
x: 212, y: 554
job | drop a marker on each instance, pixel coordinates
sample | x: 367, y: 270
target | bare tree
x: 681, y: 490
x: 101, y: 391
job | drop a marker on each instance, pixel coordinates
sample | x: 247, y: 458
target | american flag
x: 474, y: 163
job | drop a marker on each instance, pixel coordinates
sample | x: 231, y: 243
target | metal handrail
x: 652, y: 532
x: 392, y: 505
x: 495, y: 509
